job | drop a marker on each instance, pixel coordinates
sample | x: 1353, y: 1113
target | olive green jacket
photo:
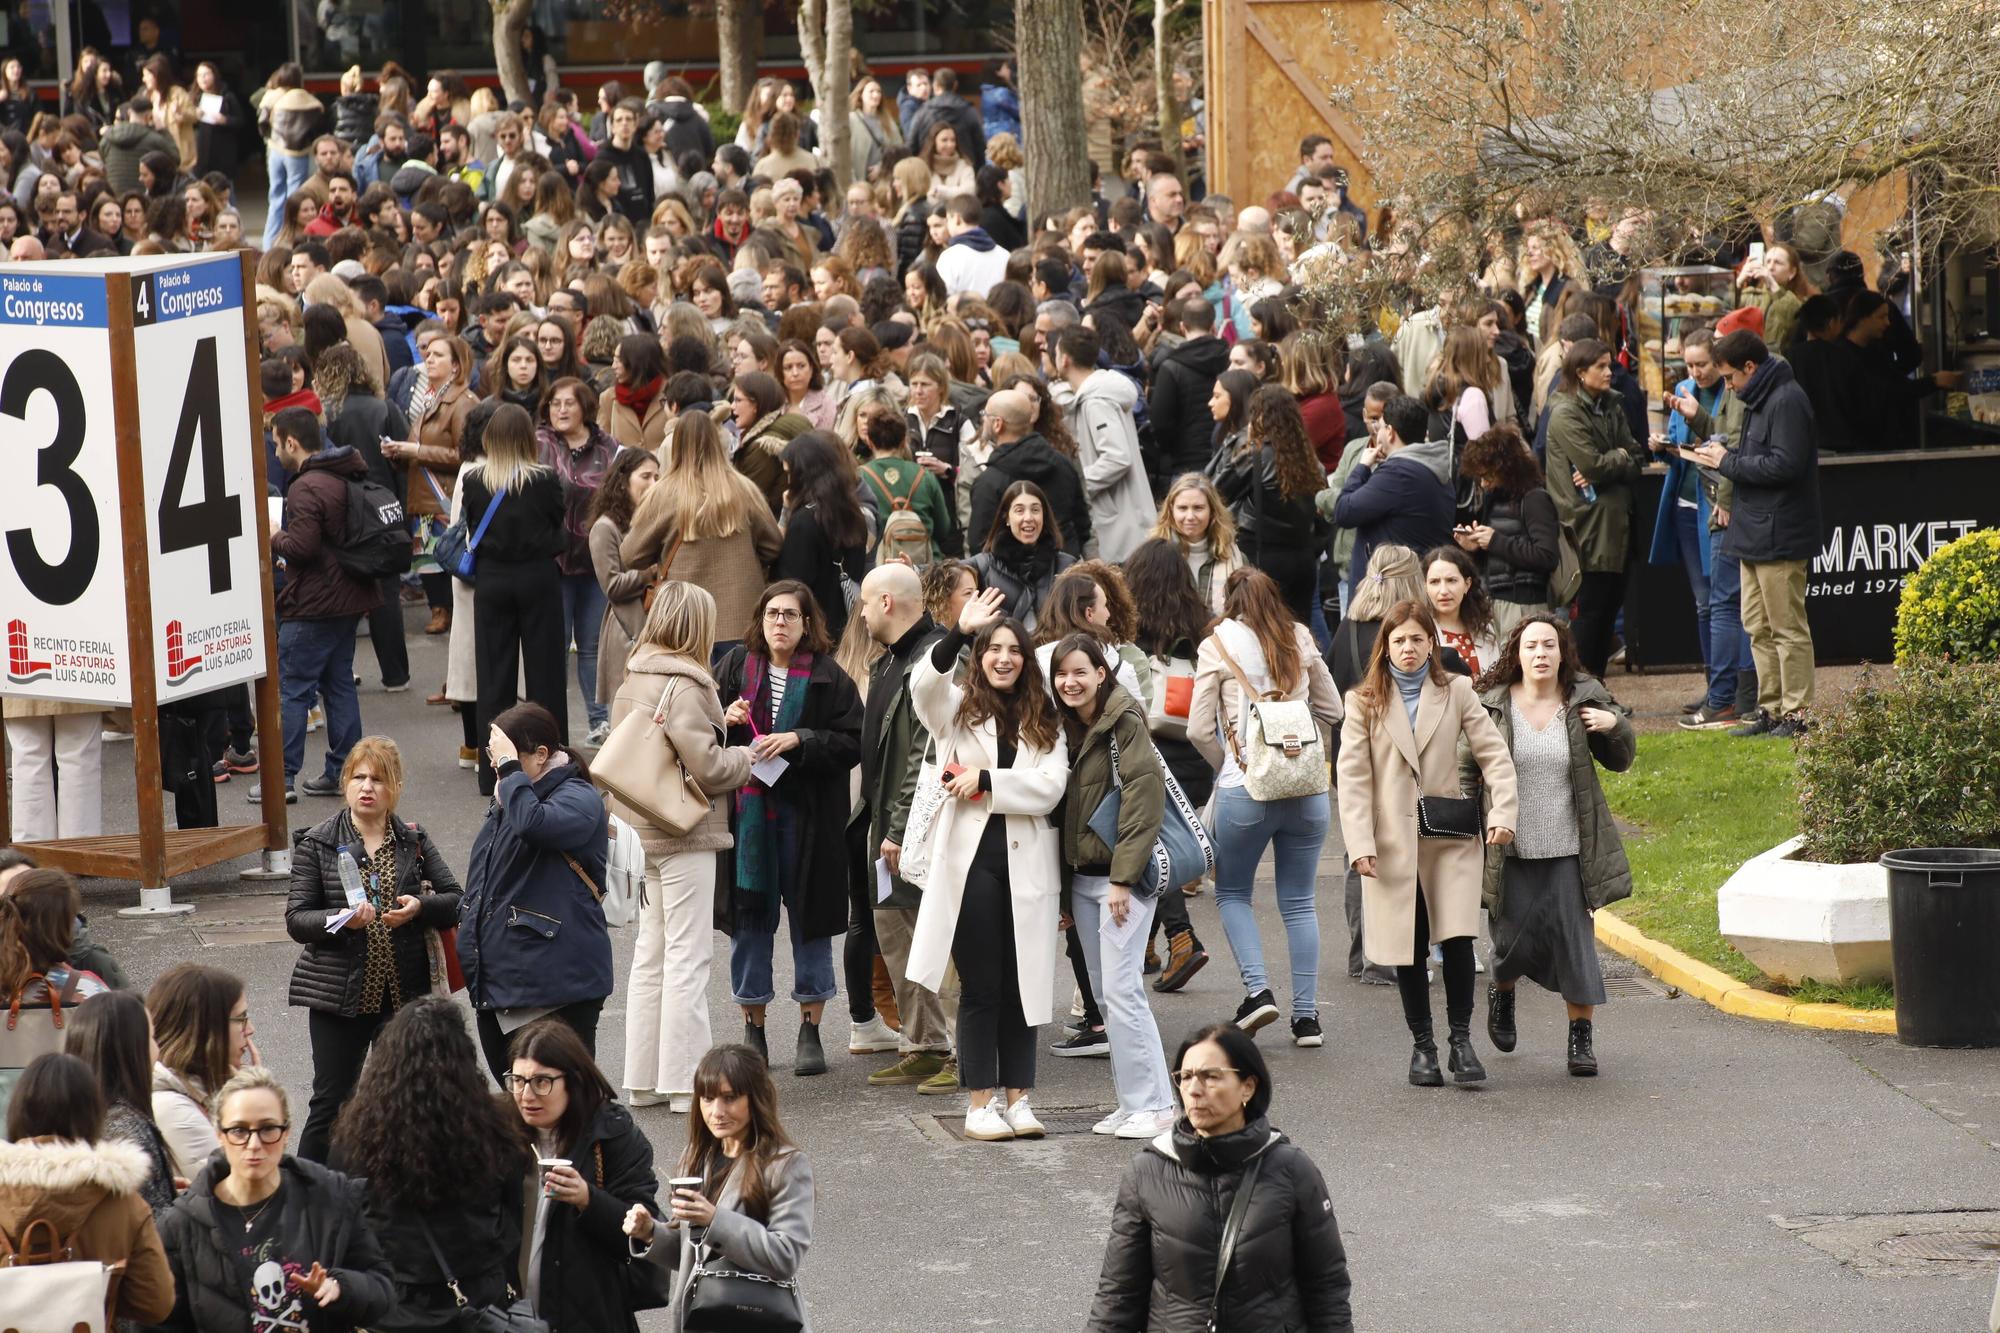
x: 1607, y: 876
x: 1090, y: 781
x: 1588, y: 434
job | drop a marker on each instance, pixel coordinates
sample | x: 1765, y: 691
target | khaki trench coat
x: 1384, y: 766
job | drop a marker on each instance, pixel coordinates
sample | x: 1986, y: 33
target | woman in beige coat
x: 626, y: 482
x: 1400, y: 741
x: 666, y: 1025
x: 707, y: 524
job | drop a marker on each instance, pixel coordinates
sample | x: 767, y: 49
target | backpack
x: 905, y: 535
x: 32, y: 1030
x: 1279, y: 750
x: 377, y: 542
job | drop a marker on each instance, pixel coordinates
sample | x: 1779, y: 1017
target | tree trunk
x: 826, y: 40
x: 1163, y: 86
x: 510, y: 20
x: 1048, y: 36
x: 739, y: 31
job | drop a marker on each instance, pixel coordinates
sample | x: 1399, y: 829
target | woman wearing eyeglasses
x: 261, y: 1238
x: 1286, y: 1267
x: 786, y: 699
x: 596, y: 1166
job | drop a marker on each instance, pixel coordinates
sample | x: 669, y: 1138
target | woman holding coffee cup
x: 744, y: 1192
x: 594, y: 1164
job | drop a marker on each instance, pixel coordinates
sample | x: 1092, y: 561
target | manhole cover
x: 1058, y: 1120
x: 1973, y: 1246
x: 1963, y: 1244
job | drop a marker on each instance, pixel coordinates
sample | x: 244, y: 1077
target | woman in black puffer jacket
x: 352, y: 979
x: 1287, y: 1272
x: 1516, y: 539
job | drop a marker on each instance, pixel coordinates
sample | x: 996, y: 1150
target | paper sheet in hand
x: 885, y: 883
x: 1116, y: 935
x: 768, y: 771
x: 339, y: 919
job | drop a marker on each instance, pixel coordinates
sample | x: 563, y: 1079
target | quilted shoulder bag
x: 921, y: 827
x: 1182, y: 853
x: 640, y: 767
x: 1279, y: 749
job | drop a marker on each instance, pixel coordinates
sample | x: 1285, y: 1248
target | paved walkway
x: 1647, y: 1199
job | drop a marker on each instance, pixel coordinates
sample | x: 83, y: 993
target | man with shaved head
x: 1254, y: 220
x: 1021, y: 454
x: 892, y: 746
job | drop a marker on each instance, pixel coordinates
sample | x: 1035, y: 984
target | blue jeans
x: 583, y: 619
x: 1294, y: 830
x: 1687, y: 534
x: 750, y: 951
x: 316, y: 658
x: 1729, y: 654
x: 287, y: 174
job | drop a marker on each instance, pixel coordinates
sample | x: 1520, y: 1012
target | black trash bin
x: 1944, y: 931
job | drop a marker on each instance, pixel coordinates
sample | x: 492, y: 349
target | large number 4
x: 215, y: 519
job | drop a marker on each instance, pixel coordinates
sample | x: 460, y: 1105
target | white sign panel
x: 197, y: 448
x: 62, y: 572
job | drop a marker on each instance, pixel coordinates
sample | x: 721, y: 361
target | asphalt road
x: 1645, y: 1199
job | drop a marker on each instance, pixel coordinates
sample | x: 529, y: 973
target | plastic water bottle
x: 1589, y: 498
x: 350, y: 879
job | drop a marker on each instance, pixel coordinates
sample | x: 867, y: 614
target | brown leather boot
x: 1185, y: 957
x: 884, y: 992
x: 440, y: 620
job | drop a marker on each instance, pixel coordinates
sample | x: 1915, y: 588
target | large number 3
x: 216, y: 518
x: 42, y: 371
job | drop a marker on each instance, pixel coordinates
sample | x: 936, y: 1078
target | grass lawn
x: 1705, y: 803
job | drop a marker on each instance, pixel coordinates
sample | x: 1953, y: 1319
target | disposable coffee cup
x: 678, y: 1183
x: 549, y: 1163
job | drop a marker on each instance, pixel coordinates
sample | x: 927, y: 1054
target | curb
x: 1726, y: 993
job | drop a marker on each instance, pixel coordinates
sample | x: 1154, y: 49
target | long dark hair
x: 1023, y: 713
x: 812, y: 640
x: 190, y: 1006
x: 111, y: 1034
x: 1251, y: 598
x: 819, y: 483
x: 37, y: 926
x: 1162, y: 587
x: 1377, y: 689
x: 1239, y: 385
x: 533, y: 727
x: 554, y: 1043
x: 613, y: 498
x: 1051, y: 537
x: 56, y: 1097
x: 1275, y: 423
x: 1093, y: 648
x: 1067, y: 611
x: 423, y: 1124
x: 1476, y: 610
x: 744, y: 1072
x: 1506, y: 668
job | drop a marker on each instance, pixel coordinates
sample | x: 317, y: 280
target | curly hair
x: 423, y: 1124
x: 1275, y: 421
x: 941, y: 581
x: 613, y: 497
x: 1162, y: 588
x: 1506, y: 668
x: 1500, y: 462
x: 339, y: 371
x: 1475, y: 610
x: 1022, y: 714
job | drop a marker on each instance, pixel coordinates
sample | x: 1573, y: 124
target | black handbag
x: 515, y: 1317
x: 1447, y: 816
x: 723, y: 1300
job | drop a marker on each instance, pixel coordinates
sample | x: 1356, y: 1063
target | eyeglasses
x: 1208, y: 1078
x: 240, y: 1134
x: 781, y: 616
x: 543, y: 1084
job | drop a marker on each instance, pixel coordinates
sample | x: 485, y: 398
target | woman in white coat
x: 991, y: 901
x: 1399, y: 743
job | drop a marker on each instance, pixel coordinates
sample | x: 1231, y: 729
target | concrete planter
x: 1798, y: 919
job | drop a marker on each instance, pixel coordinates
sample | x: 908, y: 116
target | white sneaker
x: 1477, y: 966
x: 1146, y: 1125
x: 315, y: 718
x: 598, y: 735
x: 986, y: 1124
x: 1110, y: 1123
x: 1021, y: 1119
x: 681, y: 1103
x: 872, y: 1038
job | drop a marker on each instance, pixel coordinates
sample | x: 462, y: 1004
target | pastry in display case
x: 1672, y: 301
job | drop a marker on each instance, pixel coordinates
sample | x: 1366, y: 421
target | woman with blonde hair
x: 872, y: 129
x: 912, y: 180
x: 517, y: 602
x: 1783, y: 289
x: 707, y: 524
x: 1549, y: 262
x: 1394, y: 574
x: 366, y: 338
x: 1406, y: 724
x: 1195, y: 518
x: 666, y: 1027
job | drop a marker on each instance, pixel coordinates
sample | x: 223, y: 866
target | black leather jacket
x: 1264, y: 518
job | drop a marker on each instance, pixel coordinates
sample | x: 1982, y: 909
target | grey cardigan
x: 774, y: 1248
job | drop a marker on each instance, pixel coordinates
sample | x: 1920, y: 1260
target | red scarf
x: 303, y: 398
x: 640, y: 397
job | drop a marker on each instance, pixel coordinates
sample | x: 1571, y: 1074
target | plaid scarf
x: 756, y: 812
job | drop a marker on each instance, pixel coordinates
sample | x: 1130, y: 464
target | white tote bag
x: 922, y: 825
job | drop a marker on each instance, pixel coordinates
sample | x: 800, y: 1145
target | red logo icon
x: 21, y: 668
x: 179, y: 665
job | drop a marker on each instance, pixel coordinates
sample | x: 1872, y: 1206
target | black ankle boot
x: 1500, y: 1018
x: 1582, y: 1060
x: 1424, y: 1072
x: 753, y: 1037
x: 1465, y: 1066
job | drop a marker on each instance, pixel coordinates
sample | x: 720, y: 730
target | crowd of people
x: 943, y: 574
